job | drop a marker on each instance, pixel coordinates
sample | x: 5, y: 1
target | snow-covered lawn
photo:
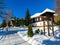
x: 37, y: 39
x: 41, y: 39
x: 17, y: 28
x: 2, y: 33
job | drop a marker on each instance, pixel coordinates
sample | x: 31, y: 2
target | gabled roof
x: 35, y: 15
x: 48, y: 10
x: 38, y: 14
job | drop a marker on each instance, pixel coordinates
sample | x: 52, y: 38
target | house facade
x: 40, y: 19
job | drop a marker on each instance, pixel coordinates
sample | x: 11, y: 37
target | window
x: 40, y: 18
x: 32, y: 20
x: 37, y: 19
x: 44, y: 16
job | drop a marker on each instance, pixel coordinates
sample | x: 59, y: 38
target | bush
x: 30, y: 32
x: 42, y: 32
x: 37, y: 31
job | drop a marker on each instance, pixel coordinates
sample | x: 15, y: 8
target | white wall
x: 40, y: 23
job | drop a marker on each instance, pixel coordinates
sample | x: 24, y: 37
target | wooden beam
x: 48, y: 26
x: 44, y: 25
x: 52, y: 25
x: 44, y: 28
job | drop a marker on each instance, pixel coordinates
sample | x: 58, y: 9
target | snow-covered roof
x: 55, y: 14
x: 35, y: 15
x: 48, y: 10
x: 38, y: 14
x: 11, y: 19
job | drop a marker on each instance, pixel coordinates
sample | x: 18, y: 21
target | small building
x: 44, y: 20
x: 37, y: 19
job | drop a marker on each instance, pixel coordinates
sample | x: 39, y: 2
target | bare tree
x: 8, y: 16
x: 1, y: 8
x: 4, y: 13
x: 57, y: 2
x: 57, y: 7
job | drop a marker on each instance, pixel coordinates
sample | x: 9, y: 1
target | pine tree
x: 27, y: 18
x: 2, y: 7
x: 14, y: 21
x: 57, y: 10
x: 22, y: 22
x: 17, y: 22
x: 30, y: 31
x: 9, y: 23
x: 58, y: 22
x: 4, y: 23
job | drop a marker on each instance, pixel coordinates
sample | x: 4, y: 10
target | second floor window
x: 37, y: 19
x: 40, y: 18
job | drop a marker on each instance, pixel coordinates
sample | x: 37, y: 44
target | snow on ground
x: 41, y: 39
x: 37, y: 39
x: 2, y: 33
x: 17, y: 28
x: 11, y: 37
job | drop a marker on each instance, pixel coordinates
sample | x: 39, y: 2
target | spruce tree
x: 4, y: 23
x: 27, y: 18
x: 9, y: 23
x: 58, y: 22
x: 30, y: 31
x: 17, y: 22
x: 22, y: 22
x: 14, y: 21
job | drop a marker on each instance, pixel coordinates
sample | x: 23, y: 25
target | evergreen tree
x: 22, y: 22
x: 14, y: 22
x: 18, y: 22
x: 58, y: 22
x: 9, y: 23
x: 30, y: 31
x: 2, y: 12
x: 4, y: 23
x: 27, y: 18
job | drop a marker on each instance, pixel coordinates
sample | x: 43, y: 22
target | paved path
x: 11, y: 38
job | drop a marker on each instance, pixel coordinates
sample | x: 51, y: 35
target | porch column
x: 48, y: 26
x: 52, y: 26
x: 44, y: 25
x: 11, y: 23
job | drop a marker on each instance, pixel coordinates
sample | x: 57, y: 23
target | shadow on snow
x: 49, y: 42
x: 10, y: 32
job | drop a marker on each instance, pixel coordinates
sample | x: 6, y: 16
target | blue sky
x: 19, y: 7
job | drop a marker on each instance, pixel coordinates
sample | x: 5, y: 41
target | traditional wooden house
x: 44, y: 20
